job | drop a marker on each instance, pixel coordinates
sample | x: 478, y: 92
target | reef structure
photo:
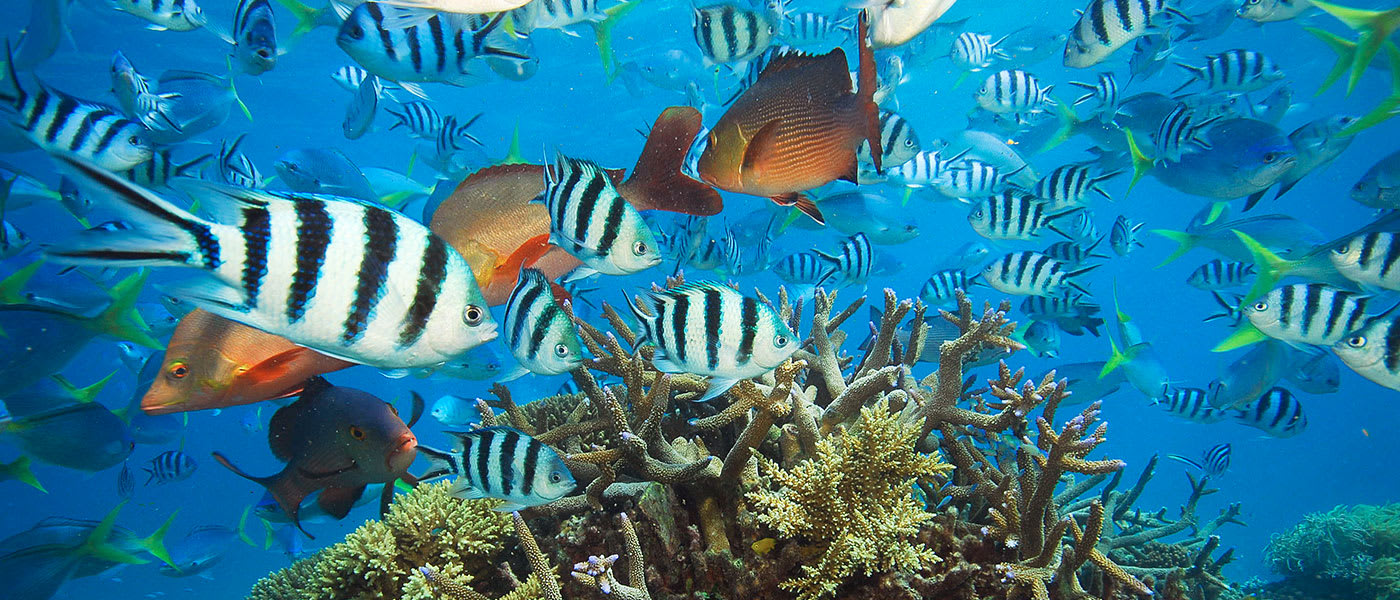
x: 834, y: 476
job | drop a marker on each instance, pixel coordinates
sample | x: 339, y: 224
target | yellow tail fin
x: 1374, y: 27
x: 1244, y: 335
x: 1184, y: 243
x: 1141, y: 163
x: 19, y: 471
x: 1269, y: 268
x: 603, y: 31
x: 121, y: 320
x: 1389, y: 106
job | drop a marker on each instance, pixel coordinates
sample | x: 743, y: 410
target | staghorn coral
x: 854, y: 501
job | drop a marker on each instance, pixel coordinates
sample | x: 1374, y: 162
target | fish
x: 1272, y: 11
x: 1372, y: 260
x: 251, y: 421
x: 798, y: 127
x: 196, y: 103
x: 335, y: 440
x: 1042, y: 339
x: 1277, y: 413
x: 1030, y: 273
x: 359, y: 113
x: 126, y: 482
x: 200, y: 549
x: 1246, y: 157
x: 727, y: 33
x: 1208, y: 25
x: 1191, y: 404
x: 1012, y: 216
x: 1250, y: 376
x: 852, y: 264
x: 1373, y: 350
x: 467, y: 7
x: 37, y: 561
x: 804, y: 269
x: 989, y: 148
x: 212, y: 362
x: 471, y: 219
x: 254, y: 37
x: 154, y: 430
x: 1123, y: 237
x: 420, y: 118
x: 382, y: 38
x: 1105, y: 90
x: 537, y: 331
x: 446, y: 317
x: 184, y: 15
x: 1235, y: 71
x: 898, y: 142
x: 1379, y: 187
x: 350, y: 77
x: 170, y: 466
x: 1070, y: 185
x: 1084, y: 377
x: 324, y: 171
x: 1107, y: 25
x: 456, y: 411
x: 395, y: 189
x: 924, y: 169
x: 881, y: 219
x: 895, y: 22
x: 1282, y: 233
x: 1318, y: 143
x: 1218, y: 275
x: 970, y: 179
x: 136, y: 96
x: 1032, y: 44
x: 811, y: 28
x: 590, y: 220
x: 1306, y: 314
x: 1213, y: 463
x: 80, y: 436
x: 1072, y: 252
x: 1315, y: 373
x: 1140, y: 363
x: 976, y: 51
x: 162, y: 167
x: 235, y: 168
x: 1181, y: 132
x: 46, y: 29
x: 671, y: 70
x: 59, y: 123
x: 1014, y: 91
x: 709, y: 329
x: 503, y: 463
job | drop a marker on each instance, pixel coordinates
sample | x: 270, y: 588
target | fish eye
x: 1356, y: 341
x: 473, y: 315
x: 561, y: 350
x: 357, y: 433
x: 134, y: 140
x: 780, y: 341
x: 355, y: 32
x: 639, y: 248
x: 1342, y: 249
x: 1261, y: 306
x: 909, y: 143
x: 555, y: 477
x: 1270, y: 157
x: 179, y: 370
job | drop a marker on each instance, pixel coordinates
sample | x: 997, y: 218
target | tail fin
x: 1374, y: 25
x: 657, y: 181
x: 1068, y: 121
x: 19, y: 471
x: 513, y: 155
x: 307, y: 18
x: 1243, y: 335
x: 1346, y: 53
x: 283, y: 487
x: 12, y: 286
x: 1389, y: 106
x: 1269, y: 268
x: 155, y: 543
x: 87, y: 393
x: 11, y: 91
x: 865, y: 88
x: 1184, y: 243
x: 1141, y: 163
x: 1116, y: 359
x: 602, y: 30
x: 120, y: 319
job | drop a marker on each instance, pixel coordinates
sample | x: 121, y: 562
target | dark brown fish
x: 336, y: 440
x: 489, y: 218
x: 796, y: 128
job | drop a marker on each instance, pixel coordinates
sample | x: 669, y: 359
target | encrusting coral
x: 834, y: 476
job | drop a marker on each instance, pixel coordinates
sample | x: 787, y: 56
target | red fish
x: 796, y: 128
x: 489, y: 218
x: 336, y: 440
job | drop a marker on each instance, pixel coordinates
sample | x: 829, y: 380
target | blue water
x: 1344, y: 456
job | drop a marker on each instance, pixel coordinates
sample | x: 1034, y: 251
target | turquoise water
x: 1343, y: 457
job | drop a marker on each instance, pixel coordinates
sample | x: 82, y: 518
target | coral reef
x: 1350, y: 552
x: 834, y: 476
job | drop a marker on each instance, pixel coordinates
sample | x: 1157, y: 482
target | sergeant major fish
x: 172, y: 15
x: 591, y: 220
x: 1107, y: 25
x: 411, y: 45
x: 1373, y: 350
x: 168, y: 467
x: 504, y: 463
x: 1032, y: 274
x: 537, y: 331
x: 254, y: 37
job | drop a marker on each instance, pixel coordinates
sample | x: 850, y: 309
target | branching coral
x: 854, y: 501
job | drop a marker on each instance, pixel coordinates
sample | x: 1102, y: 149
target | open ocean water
x: 1344, y: 456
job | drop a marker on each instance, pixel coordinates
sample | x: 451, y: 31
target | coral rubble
x: 834, y: 476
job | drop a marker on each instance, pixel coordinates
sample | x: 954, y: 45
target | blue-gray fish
x: 709, y: 329
x: 728, y: 34
x: 393, y: 294
x: 84, y: 436
x: 1277, y: 413
x: 589, y: 219
x: 324, y: 171
x: 254, y: 37
x: 1308, y: 313
x: 537, y: 331
x: 1032, y: 274
x: 1042, y: 338
x: 168, y: 467
x: 1245, y: 157
x: 504, y: 463
x: 1318, y: 373
x: 59, y: 123
x: 1318, y: 143
x: 126, y: 483
x: 359, y: 113
x: 199, y: 550
x: 1107, y: 25
x: 1379, y: 187
x: 1123, y: 237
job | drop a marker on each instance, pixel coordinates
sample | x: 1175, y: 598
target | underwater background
x: 1344, y: 457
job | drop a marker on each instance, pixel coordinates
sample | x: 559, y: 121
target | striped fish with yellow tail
x: 796, y: 128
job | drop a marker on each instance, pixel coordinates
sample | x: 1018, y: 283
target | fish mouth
x: 402, y: 454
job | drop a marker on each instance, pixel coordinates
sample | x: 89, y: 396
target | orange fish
x: 796, y: 128
x: 212, y: 362
x: 489, y: 218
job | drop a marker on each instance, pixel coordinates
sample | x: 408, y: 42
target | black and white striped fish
x: 1230, y: 308
x: 852, y: 264
x: 803, y: 268
x: 1218, y: 275
x: 924, y: 169
x: 1192, y: 404
x: 1012, y: 215
x: 940, y: 290
x: 138, y: 99
x: 340, y: 276
x: 1073, y: 252
x: 1234, y: 71
x: 973, y: 179
x: 168, y: 467
x: 729, y: 34
x: 1069, y: 186
x: 1032, y: 274
x: 976, y: 51
x: 349, y: 77
x: 162, y: 168
x: 898, y: 142
x: 708, y: 256
x: 707, y: 328
x: 254, y: 37
x: 1051, y: 308
x: 1277, y: 413
x: 590, y: 220
x: 1014, y: 91
x: 504, y: 463
x: 1308, y: 313
x: 1105, y: 91
x: 415, y: 45
x: 1213, y: 463
x: 1123, y: 237
x: 359, y: 113
x: 1373, y: 350
x: 420, y: 118
x: 1181, y: 133
x: 814, y: 28
x: 537, y: 331
x: 235, y: 168
x: 1107, y: 25
x: 62, y: 124
x: 555, y: 14
x: 453, y: 135
x: 1372, y: 260
x: 165, y: 15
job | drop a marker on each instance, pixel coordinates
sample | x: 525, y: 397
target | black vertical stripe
x: 509, y: 441
x: 1099, y: 21
x: 381, y: 243
x: 612, y: 225
x: 89, y: 120
x: 439, y: 43
x: 731, y: 37
x: 1392, y: 346
x: 37, y: 109
x: 1392, y: 255
x: 1285, y: 304
x: 483, y: 460
x: 415, y: 52
x: 587, y: 201
x: 257, y: 233
x: 66, y: 107
x: 748, y: 327
x: 713, y: 305
x: 564, y: 195
x: 522, y: 311
x: 117, y: 126
x: 530, y: 466
x: 430, y: 280
x: 386, y: 39
x: 678, y: 326
x: 468, y: 442
x: 313, y: 238
x: 550, y: 312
